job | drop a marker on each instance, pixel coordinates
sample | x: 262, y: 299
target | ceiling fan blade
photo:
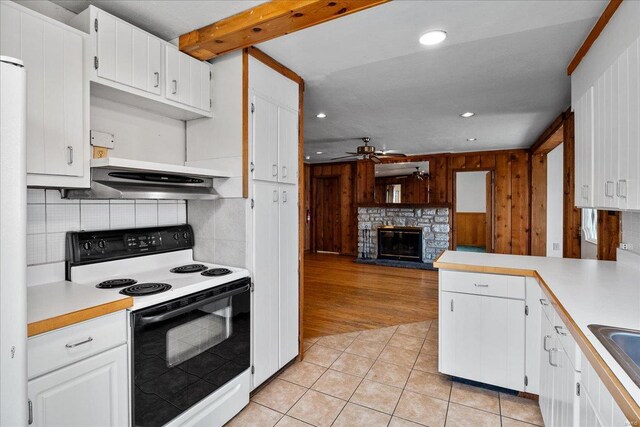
x: 391, y: 154
x: 344, y: 157
x: 375, y: 159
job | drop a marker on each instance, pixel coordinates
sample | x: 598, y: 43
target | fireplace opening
x: 400, y: 243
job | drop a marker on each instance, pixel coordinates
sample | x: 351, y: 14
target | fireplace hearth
x: 400, y: 243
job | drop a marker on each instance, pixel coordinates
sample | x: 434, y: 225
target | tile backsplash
x: 49, y: 217
x: 631, y: 230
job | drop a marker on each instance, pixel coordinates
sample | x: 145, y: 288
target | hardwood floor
x: 342, y: 296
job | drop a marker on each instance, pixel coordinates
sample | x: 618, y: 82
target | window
x: 590, y: 225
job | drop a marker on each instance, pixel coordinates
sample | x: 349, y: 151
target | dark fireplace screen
x: 400, y: 243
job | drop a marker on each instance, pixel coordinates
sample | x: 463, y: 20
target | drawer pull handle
x: 544, y: 343
x: 555, y: 365
x: 157, y: 75
x: 274, y: 170
x: 175, y: 87
x: 480, y: 285
x: 88, y: 340
x: 544, y: 301
x: 69, y: 155
x: 560, y: 330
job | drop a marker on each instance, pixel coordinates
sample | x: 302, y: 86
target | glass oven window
x: 186, y: 349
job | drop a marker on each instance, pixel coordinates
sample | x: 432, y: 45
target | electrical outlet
x: 626, y: 246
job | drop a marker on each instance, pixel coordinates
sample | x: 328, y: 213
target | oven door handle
x: 177, y: 312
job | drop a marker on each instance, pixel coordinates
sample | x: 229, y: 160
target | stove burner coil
x: 116, y: 283
x: 213, y: 272
x: 189, y: 268
x: 143, y: 289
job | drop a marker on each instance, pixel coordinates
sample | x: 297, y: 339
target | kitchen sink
x: 624, y: 346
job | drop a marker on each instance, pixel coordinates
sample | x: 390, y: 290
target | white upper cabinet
x: 132, y: 66
x: 57, y: 95
x: 606, y: 100
x: 274, y: 111
x: 187, y: 79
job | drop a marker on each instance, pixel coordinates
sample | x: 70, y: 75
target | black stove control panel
x: 87, y: 247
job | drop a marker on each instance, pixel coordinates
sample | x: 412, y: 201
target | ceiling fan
x: 369, y: 152
x: 420, y: 174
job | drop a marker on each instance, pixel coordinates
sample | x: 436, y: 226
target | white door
x: 288, y: 273
x: 288, y: 145
x: 264, y: 139
x: 266, y: 298
x: 92, y: 392
x: 172, y: 60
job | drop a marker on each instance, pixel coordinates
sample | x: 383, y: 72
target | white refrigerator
x: 13, y: 252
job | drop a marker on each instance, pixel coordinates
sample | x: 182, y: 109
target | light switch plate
x: 102, y: 139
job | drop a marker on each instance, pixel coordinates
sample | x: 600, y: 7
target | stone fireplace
x: 391, y: 232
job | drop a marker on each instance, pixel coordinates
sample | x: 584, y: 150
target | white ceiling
x: 504, y: 60
x: 166, y: 19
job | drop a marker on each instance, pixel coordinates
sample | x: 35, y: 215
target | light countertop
x: 56, y: 305
x: 585, y: 292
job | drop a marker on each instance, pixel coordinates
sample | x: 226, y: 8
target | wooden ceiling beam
x: 593, y: 34
x: 552, y: 135
x: 265, y: 22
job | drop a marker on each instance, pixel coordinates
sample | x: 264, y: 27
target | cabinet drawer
x: 567, y: 342
x: 483, y: 284
x: 547, y: 308
x: 56, y: 349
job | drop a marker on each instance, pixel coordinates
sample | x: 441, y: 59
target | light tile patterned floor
x: 381, y: 377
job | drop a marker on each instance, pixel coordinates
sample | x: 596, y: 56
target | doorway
x: 473, y: 211
x: 328, y: 224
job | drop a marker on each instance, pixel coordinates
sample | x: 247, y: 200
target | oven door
x: 187, y: 348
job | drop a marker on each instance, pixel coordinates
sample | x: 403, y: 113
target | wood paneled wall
x: 346, y: 172
x: 571, y: 217
x: 608, y: 235
x: 512, y: 196
x: 539, y: 204
x: 413, y: 190
x: 307, y: 207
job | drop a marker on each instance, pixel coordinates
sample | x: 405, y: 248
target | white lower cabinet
x: 559, y: 375
x: 482, y: 336
x: 597, y: 407
x: 92, y: 392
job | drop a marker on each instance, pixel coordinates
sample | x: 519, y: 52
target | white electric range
x: 189, y: 326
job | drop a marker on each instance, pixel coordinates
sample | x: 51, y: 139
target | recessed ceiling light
x: 318, y: 152
x: 433, y: 37
x: 467, y: 114
x: 321, y: 115
x: 471, y: 139
x: 307, y: 157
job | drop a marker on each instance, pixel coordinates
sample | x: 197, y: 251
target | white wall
x: 554, y: 202
x: 139, y: 134
x: 631, y: 230
x: 471, y: 189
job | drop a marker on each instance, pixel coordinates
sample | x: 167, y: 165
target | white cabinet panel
x: 57, y: 98
x: 92, y: 392
x: 154, y: 65
x: 172, y: 59
x: 287, y: 145
x: 106, y: 49
x: 265, y: 272
x: 187, y: 79
x: 288, y: 273
x: 265, y: 139
x: 584, y: 155
x: 488, y: 339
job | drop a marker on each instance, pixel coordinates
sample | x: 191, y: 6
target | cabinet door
x: 115, y: 49
x: 584, y: 150
x: 288, y: 145
x: 288, y: 273
x: 172, y: 69
x: 266, y: 286
x: 546, y: 370
x: 488, y: 339
x: 146, y: 62
x: 53, y: 57
x: 92, y: 392
x: 633, y: 191
x: 184, y: 79
x: 264, y: 139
